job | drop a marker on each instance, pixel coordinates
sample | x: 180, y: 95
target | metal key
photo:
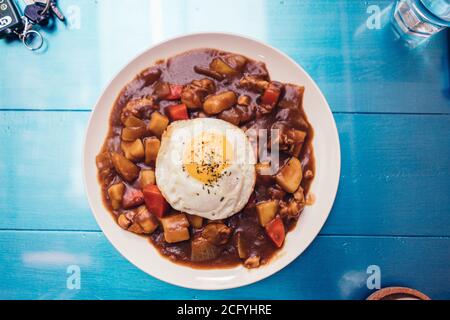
x: 56, y: 11
x: 38, y: 13
x: 53, y: 6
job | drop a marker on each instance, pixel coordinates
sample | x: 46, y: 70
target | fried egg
x: 206, y: 167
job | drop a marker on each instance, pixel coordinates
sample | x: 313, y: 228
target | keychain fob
x: 10, y: 18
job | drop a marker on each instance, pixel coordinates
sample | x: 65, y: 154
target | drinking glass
x: 417, y: 20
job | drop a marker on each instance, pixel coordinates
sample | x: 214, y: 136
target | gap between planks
x: 319, y: 236
x: 334, y: 112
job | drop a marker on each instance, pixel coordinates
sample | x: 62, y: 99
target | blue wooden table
x: 391, y: 218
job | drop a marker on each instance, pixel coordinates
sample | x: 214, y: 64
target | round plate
x: 137, y: 249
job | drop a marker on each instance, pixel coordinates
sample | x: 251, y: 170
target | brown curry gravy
x: 180, y: 70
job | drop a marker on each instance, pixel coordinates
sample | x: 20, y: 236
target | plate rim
x: 276, y: 269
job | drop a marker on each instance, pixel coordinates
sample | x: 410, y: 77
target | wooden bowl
x: 398, y: 293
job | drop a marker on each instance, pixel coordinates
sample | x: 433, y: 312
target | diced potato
x: 299, y: 137
x: 290, y: 175
x: 243, y: 100
x: 195, y: 221
x: 146, y: 177
x: 241, y: 246
x: 151, y: 149
x: 264, y: 173
x: 158, y: 123
x: 215, y: 104
x: 127, y: 169
x: 203, y: 250
x: 132, y: 133
x: 175, y: 228
x: 103, y: 161
x: 266, y: 211
x: 219, y: 66
x: 133, y: 121
x: 176, y: 235
x: 136, y: 228
x: 236, y: 61
x: 115, y: 193
x: 104, y: 164
x: 133, y: 151
x: 123, y: 221
x: 146, y: 220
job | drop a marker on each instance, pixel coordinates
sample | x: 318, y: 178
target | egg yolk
x: 207, y: 156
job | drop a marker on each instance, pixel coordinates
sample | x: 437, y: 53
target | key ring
x: 47, y: 6
x: 28, y: 35
x: 28, y: 38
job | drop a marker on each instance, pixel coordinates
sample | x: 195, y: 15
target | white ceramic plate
x: 326, y: 147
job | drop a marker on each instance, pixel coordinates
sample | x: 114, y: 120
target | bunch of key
x: 36, y: 12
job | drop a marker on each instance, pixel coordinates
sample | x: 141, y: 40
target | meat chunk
x: 258, y: 69
x: 294, y: 207
x: 203, y: 250
x: 228, y: 66
x: 216, y: 233
x: 252, y: 262
x: 209, y: 73
x: 137, y: 108
x: 138, y: 221
x: 276, y: 192
x: 253, y: 83
x: 309, y: 174
x: 293, y: 97
x: 150, y: 75
x: 132, y: 198
x: 194, y: 93
x: 232, y: 116
x: 236, y: 61
x: 289, y: 140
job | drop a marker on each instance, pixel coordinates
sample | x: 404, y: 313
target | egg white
x: 229, y: 194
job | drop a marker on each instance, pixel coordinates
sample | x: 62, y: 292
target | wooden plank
x: 394, y: 181
x: 41, y: 171
x: 358, y: 69
x: 395, y: 175
x: 361, y: 69
x: 34, y: 266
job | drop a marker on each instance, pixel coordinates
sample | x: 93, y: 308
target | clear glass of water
x: 417, y: 20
